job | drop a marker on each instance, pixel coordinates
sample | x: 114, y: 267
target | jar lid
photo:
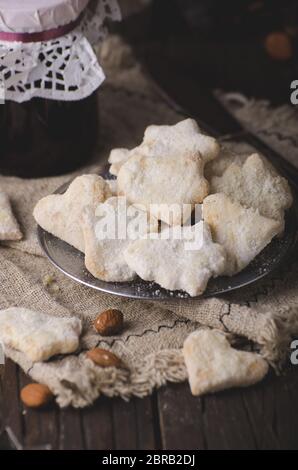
x: 29, y: 16
x: 63, y: 67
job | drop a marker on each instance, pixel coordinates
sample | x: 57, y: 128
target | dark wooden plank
x: 115, y: 424
x: 273, y: 411
x: 2, y: 370
x: 156, y: 420
x: 225, y: 422
x: 260, y: 405
x: 12, y: 409
x: 286, y: 406
x: 212, y: 422
x: 71, y: 435
x: 145, y: 424
x: 181, y: 420
x: 40, y: 427
x: 98, y: 425
x: 124, y: 424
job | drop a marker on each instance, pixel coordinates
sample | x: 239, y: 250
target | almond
x: 109, y: 322
x: 102, y: 357
x: 36, y: 395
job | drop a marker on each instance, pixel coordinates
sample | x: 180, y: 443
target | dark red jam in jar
x: 43, y: 137
x: 49, y: 75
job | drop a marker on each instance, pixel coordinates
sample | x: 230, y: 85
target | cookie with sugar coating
x: 254, y: 185
x: 61, y: 214
x: 226, y: 157
x: 113, y: 185
x: 38, y: 335
x: 183, y: 138
x: 179, y: 259
x: 117, y: 158
x: 107, y: 232
x: 213, y: 365
x: 9, y: 227
x: 164, y: 184
x: 242, y: 231
x: 230, y: 154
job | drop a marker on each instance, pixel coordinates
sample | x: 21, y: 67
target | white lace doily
x: 62, y: 69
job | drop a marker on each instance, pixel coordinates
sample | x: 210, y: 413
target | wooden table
x: 261, y: 417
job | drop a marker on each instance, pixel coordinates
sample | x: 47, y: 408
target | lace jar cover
x: 48, y: 53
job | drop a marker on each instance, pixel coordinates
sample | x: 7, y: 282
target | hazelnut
x: 279, y: 46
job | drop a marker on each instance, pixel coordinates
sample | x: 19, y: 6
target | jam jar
x: 49, y: 76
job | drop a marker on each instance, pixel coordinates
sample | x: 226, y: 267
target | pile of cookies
x: 176, y: 171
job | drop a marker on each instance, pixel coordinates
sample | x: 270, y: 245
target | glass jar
x: 43, y: 137
x: 49, y: 75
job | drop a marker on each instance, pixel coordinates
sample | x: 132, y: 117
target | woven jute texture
x: 262, y: 317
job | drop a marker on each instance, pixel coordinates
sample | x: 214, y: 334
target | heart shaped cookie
x: 213, y: 365
x: 61, y: 214
x: 255, y: 185
x: 243, y: 232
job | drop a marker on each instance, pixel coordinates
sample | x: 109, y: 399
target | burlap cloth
x: 264, y: 316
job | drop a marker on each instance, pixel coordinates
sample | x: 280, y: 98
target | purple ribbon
x: 41, y: 36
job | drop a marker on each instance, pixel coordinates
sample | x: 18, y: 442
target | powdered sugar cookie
x: 38, y: 335
x: 9, y: 227
x: 213, y: 365
x: 113, y: 185
x: 61, y: 214
x: 254, y: 185
x: 107, y: 232
x: 243, y: 232
x: 117, y: 158
x: 184, y: 138
x: 179, y: 260
x: 164, y: 184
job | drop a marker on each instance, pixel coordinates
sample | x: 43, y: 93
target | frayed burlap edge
x: 83, y: 382
x: 79, y: 382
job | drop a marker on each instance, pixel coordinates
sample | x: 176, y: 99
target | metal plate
x: 71, y: 262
